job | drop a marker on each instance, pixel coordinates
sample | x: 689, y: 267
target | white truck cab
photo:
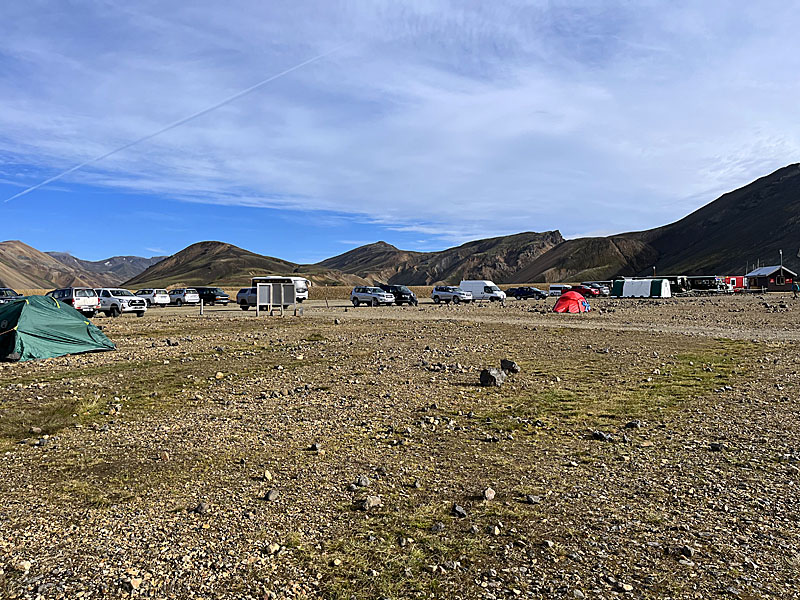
x: 483, y: 289
x: 301, y: 284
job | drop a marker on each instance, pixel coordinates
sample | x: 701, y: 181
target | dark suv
x: 8, y: 295
x: 213, y: 295
x: 525, y: 292
x: 401, y: 293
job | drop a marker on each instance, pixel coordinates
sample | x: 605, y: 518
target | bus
x: 301, y: 284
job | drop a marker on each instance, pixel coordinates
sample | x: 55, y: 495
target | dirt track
x: 151, y: 474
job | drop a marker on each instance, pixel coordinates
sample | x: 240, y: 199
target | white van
x: 483, y: 289
x: 300, y: 284
x: 558, y: 289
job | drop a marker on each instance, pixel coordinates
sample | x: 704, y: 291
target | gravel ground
x: 646, y: 450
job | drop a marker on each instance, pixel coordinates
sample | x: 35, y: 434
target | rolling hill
x: 218, y: 263
x: 24, y: 267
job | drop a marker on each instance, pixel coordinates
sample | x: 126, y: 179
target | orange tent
x: 571, y: 302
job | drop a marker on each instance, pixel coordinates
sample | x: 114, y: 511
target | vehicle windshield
x: 8, y: 293
x: 217, y: 291
x: 121, y: 293
x: 85, y: 293
x: 494, y: 288
x: 160, y: 292
x: 404, y: 289
x: 144, y: 292
x: 191, y: 291
x: 374, y: 290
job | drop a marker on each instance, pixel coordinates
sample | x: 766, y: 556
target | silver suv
x: 374, y: 296
x: 154, y: 297
x: 181, y: 296
x: 450, y: 293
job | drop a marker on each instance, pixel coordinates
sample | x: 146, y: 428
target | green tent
x: 42, y: 327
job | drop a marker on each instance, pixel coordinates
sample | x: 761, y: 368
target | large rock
x: 492, y: 377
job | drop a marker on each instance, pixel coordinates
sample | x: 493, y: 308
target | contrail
x: 177, y: 123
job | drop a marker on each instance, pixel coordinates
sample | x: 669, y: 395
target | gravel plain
x: 649, y: 449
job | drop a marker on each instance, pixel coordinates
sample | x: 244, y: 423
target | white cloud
x: 451, y: 120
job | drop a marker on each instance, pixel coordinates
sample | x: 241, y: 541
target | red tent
x: 571, y: 302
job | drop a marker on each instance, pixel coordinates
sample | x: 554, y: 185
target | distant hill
x: 219, y: 263
x: 495, y: 258
x: 24, y: 267
x: 109, y: 272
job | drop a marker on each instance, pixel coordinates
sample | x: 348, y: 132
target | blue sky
x: 433, y: 122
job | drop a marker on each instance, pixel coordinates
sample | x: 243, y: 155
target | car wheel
x: 375, y: 302
x: 356, y: 302
x: 114, y: 311
x: 456, y: 300
x: 139, y: 313
x: 178, y: 302
x: 400, y: 303
x: 436, y: 299
x: 492, y: 299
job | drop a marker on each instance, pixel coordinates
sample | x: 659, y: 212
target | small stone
x: 531, y: 499
x: 267, y: 476
x: 437, y: 527
x: 135, y: 583
x: 336, y: 562
x: 369, y: 503
x: 273, y: 548
x: 35, y: 430
x: 164, y: 456
x: 417, y: 484
x: 687, y: 551
x: 635, y: 424
x: 578, y: 594
x: 459, y: 511
x: 201, y: 509
x: 492, y: 377
x: 315, y: 447
x: 219, y: 375
x: 602, y: 436
x: 494, y: 530
x: 548, y: 544
x: 488, y: 494
x: 362, y: 481
x: 509, y: 366
x: 23, y: 565
x: 272, y: 495
x: 716, y: 446
x: 337, y: 322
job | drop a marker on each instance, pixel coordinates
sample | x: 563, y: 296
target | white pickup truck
x: 114, y: 302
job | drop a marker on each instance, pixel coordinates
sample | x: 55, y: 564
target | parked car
x: 154, y: 297
x: 212, y: 295
x: 373, y: 296
x: 602, y: 288
x: 81, y: 299
x: 557, y: 289
x: 402, y: 295
x: 584, y: 290
x: 115, y: 301
x: 450, y: 293
x: 181, y: 296
x: 8, y: 295
x: 483, y: 289
x: 525, y: 292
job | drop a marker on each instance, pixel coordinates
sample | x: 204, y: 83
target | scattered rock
x: 635, y: 424
x: 201, y: 509
x: 602, y: 436
x: 272, y: 495
x: 509, y: 366
x: 488, y: 494
x: 362, y: 481
x: 459, y: 511
x: 716, y: 446
x: 492, y: 377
